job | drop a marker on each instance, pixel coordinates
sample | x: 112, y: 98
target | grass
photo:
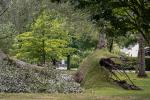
x: 97, y: 93
x: 61, y: 97
x: 93, y: 73
x: 144, y: 83
x: 96, y: 86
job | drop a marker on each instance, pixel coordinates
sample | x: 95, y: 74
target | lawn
x: 105, y: 92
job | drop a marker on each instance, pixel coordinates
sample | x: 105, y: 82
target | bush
x: 75, y: 61
x: 147, y: 61
x: 25, y: 79
x: 77, y: 58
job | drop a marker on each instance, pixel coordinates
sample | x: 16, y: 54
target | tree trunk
x: 102, y: 39
x: 141, y: 57
x: 111, y: 44
x: 54, y: 62
x: 15, y: 62
x: 43, y: 53
x: 68, y: 62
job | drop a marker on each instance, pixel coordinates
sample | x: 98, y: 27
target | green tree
x: 7, y: 34
x: 47, y: 41
x: 101, y: 13
x: 135, y: 14
x: 124, y: 17
x: 82, y: 32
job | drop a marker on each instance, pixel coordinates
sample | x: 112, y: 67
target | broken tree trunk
x: 15, y: 62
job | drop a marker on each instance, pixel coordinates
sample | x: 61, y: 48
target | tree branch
x: 3, y: 11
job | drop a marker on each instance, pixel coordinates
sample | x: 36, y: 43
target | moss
x: 94, y: 74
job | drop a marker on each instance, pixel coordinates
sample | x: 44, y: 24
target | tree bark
x: 54, y: 62
x: 68, y: 62
x: 111, y: 45
x: 15, y: 62
x: 141, y: 58
x: 102, y: 39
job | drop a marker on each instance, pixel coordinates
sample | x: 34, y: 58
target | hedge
x: 27, y: 80
x: 147, y: 61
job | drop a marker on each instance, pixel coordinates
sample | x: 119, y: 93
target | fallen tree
x: 113, y: 69
x: 15, y: 62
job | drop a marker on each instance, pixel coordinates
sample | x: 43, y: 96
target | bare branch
x: 4, y: 11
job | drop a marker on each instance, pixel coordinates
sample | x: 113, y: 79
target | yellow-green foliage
x: 47, y: 39
x: 95, y: 75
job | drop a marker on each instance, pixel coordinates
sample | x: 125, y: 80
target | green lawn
x: 106, y: 92
x: 85, y: 96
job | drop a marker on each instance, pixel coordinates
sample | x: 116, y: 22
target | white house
x: 131, y: 51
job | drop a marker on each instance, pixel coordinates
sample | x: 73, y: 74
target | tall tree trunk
x: 68, y: 62
x: 102, y: 39
x: 43, y: 60
x: 54, y: 62
x: 141, y: 57
x: 111, y: 45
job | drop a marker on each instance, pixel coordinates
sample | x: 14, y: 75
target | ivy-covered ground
x: 96, y: 93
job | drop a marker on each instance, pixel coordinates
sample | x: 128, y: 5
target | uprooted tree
x: 115, y: 69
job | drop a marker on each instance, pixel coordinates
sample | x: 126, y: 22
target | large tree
x: 124, y: 17
x: 100, y: 12
x: 47, y: 41
x: 110, y: 26
x: 135, y: 13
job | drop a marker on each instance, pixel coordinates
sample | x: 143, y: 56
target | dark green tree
x: 135, y: 14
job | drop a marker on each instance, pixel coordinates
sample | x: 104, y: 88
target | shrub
x: 25, y: 79
x: 75, y: 61
x: 147, y: 61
